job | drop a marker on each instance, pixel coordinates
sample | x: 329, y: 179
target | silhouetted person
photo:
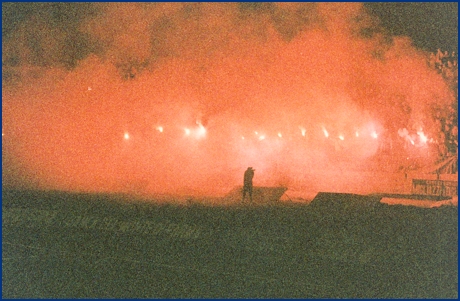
x: 247, y: 187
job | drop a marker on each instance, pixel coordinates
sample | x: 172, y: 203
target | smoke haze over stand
x: 209, y: 76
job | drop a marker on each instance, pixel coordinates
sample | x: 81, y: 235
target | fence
x: 434, y: 187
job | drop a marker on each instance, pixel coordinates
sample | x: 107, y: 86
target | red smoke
x: 234, y: 74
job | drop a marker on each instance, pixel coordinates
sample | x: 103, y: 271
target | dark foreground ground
x: 62, y: 245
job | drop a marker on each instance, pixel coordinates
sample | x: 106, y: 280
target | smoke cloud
x: 183, y: 97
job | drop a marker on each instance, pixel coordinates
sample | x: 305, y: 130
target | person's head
x: 250, y: 168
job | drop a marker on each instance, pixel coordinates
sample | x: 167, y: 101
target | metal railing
x: 434, y: 187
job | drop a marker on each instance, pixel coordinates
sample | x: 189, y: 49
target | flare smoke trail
x: 174, y: 97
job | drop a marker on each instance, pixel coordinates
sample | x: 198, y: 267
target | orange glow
x: 93, y: 127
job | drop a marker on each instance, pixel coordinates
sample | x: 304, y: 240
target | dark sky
x: 431, y: 25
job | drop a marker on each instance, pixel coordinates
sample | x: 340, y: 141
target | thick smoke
x: 183, y: 97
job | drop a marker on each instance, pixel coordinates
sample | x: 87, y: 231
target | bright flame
x: 160, y: 129
x: 421, y: 141
x: 201, y: 130
x: 341, y: 137
x: 126, y: 136
x: 279, y: 135
x: 303, y: 130
x: 357, y: 134
x: 326, y: 134
x: 374, y: 135
x: 262, y: 137
x: 422, y: 136
x: 197, y: 133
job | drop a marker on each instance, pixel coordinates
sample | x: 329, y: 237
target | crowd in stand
x: 447, y: 64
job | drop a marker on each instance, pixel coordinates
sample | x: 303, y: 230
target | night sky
x: 170, y: 96
x: 430, y: 25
